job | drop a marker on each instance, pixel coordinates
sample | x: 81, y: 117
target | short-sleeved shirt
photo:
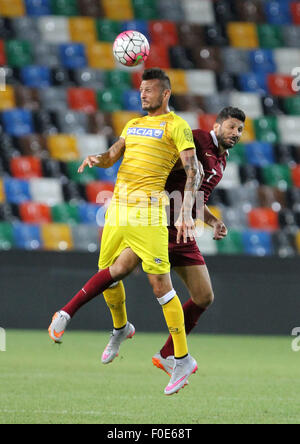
x: 152, y: 148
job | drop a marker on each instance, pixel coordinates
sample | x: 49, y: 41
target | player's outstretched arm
x: 105, y: 160
x: 194, y: 171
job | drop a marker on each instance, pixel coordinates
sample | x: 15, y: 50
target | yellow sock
x: 174, y: 316
x: 115, y: 299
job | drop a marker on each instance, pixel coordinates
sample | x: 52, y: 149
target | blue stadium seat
x: 262, y: 60
x: 18, y: 122
x: 109, y: 174
x: 27, y: 236
x: 260, y: 154
x: 278, y: 12
x: 132, y: 101
x: 88, y: 213
x: 38, y: 7
x: 253, y: 82
x: 72, y: 55
x: 257, y: 243
x: 137, y: 25
x: 16, y: 190
x: 36, y: 76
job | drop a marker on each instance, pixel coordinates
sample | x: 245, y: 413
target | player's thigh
x: 198, y: 282
x: 124, y: 264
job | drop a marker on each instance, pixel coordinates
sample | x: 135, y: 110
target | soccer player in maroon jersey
x: 212, y: 150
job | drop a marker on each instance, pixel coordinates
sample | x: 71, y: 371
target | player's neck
x: 158, y: 112
x: 222, y: 150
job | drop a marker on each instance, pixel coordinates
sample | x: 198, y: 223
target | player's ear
x: 216, y: 127
x: 167, y: 94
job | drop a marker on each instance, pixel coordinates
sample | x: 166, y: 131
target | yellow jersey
x: 152, y: 148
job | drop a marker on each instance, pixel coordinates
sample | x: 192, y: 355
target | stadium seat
x: 215, y: 35
x: 206, y: 243
x: 63, y: 147
x: 131, y: 100
x: 242, y: 35
x: 271, y: 197
x: 136, y: 25
x: 243, y: 197
x: 107, y: 30
x: 18, y: 122
x: 231, y: 244
x: 224, y: 11
x: 264, y: 219
x: 26, y: 167
x: 277, y: 176
x: 88, y: 175
x: 44, y: 122
x: 118, y: 9
x: 286, y: 59
x: 8, y: 212
x: 45, y: 190
x: 272, y: 106
x: 190, y: 35
x: 110, y: 99
x: 213, y: 103
x: 291, y: 36
x: 120, y: 119
x: 296, y: 176
x: 27, y: 236
x: 18, y: 53
x: 297, y: 240
x: 257, y: 243
x: 25, y: 28
x: 54, y: 29
x: 38, y: 7
x: 73, y: 192
x: 181, y: 58
x: 231, y: 176
x: 249, y: 11
x: 280, y: 85
x: 262, y: 60
x: 65, y: 213
x: 82, y: 29
x: 191, y: 117
x: 72, y: 55
x: 2, y: 53
x: 100, y: 55
x: 46, y: 54
x: 287, y: 218
x: 89, y: 78
x: 7, y: 98
x: 86, y: 238
x: 266, y: 129
x: 207, y: 58
x: 288, y: 127
x: 162, y: 30
x: 53, y: 99
x: 253, y: 82
x: 100, y: 123
x: 16, y: 190
x: 27, y: 97
x: 284, y: 244
x: 88, y: 144
x: 206, y: 121
x: 159, y: 56
x: 35, y: 213
x: 235, y: 60
x: 198, y: 12
x: 94, y: 190
x: 12, y: 8
x: 71, y: 122
x: 295, y: 9
x: 188, y: 102
x: 270, y: 36
x: 278, y: 12
x: 2, y: 192
x: 91, y: 8
x: 6, y: 236
x: 201, y: 82
x: 117, y: 79
x: 250, y: 102
x: 57, y: 237
x: 61, y: 76
x: 88, y: 213
x: 82, y: 99
x: 286, y: 154
x: 109, y: 174
x: 36, y: 76
x: 238, y: 154
x: 259, y: 153
x: 65, y: 7
x: 292, y: 105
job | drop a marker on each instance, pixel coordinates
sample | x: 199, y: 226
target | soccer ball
x: 131, y: 48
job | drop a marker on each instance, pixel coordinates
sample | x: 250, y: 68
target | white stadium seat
x: 91, y: 144
x: 286, y: 59
x: 48, y: 191
x: 199, y: 11
x: 201, y: 82
x: 289, y: 129
x: 54, y: 29
x: 250, y: 103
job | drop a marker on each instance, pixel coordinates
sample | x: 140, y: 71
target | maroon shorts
x: 183, y: 255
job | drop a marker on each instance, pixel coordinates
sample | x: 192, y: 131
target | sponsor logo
x: 157, y: 260
x: 145, y: 132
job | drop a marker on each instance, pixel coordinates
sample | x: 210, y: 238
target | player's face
x: 152, y: 95
x: 229, y: 133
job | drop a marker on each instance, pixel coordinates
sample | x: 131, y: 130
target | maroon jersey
x: 213, y: 164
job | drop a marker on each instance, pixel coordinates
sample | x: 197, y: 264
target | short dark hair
x: 159, y: 74
x: 231, y: 112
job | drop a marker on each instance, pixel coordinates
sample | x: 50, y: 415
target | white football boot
x: 111, y: 351
x: 165, y: 364
x: 58, y: 325
x: 183, y: 368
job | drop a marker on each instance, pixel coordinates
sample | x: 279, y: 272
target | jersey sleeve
x: 182, y: 135
x: 124, y: 132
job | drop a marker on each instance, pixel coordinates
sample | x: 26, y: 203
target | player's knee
x: 119, y: 270
x: 203, y: 299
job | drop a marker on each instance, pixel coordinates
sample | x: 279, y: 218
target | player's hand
x: 89, y: 161
x: 220, y: 230
x: 185, y: 229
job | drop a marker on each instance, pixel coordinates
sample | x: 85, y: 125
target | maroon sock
x: 94, y: 287
x: 192, y: 314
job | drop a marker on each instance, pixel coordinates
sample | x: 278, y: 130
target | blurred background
x: 63, y: 97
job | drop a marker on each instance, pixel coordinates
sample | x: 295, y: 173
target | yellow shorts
x: 141, y: 229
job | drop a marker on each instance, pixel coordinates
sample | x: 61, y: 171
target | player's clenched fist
x: 220, y: 230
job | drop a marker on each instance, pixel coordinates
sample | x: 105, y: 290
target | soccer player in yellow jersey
x: 135, y: 224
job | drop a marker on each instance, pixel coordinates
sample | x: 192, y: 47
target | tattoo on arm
x: 110, y: 157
